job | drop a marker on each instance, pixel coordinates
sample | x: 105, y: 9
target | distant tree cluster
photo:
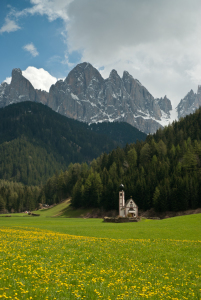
x: 15, y: 197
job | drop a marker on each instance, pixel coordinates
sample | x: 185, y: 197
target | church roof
x: 128, y: 201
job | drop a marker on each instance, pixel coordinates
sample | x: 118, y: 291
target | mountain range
x: 84, y: 95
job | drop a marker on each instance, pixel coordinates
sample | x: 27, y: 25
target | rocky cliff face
x: 84, y: 95
x: 4, y: 87
x: 165, y: 106
x: 20, y: 89
x: 189, y: 103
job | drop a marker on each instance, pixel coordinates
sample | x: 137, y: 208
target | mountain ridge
x: 86, y: 96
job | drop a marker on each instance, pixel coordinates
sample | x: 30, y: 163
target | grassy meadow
x: 75, y: 258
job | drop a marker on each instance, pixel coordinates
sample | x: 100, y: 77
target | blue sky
x: 46, y: 37
x: 156, y: 41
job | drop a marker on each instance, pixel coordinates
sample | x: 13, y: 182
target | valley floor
x: 68, y: 258
x: 77, y: 258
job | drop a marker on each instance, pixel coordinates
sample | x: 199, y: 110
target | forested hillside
x: 163, y: 172
x: 36, y: 141
x: 123, y: 133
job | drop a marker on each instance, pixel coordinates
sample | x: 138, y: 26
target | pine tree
x: 2, y: 204
x: 156, y: 199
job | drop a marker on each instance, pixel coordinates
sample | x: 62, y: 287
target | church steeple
x: 121, y: 200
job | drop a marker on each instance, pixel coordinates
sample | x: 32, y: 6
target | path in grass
x: 40, y: 264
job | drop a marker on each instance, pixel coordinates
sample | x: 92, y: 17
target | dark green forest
x: 16, y: 197
x: 163, y: 172
x: 121, y: 132
x: 35, y: 142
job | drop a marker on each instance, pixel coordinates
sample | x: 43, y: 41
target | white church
x: 129, y: 208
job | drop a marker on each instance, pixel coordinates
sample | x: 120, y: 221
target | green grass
x: 54, y: 211
x: 178, y: 228
x: 76, y: 258
x: 62, y: 210
x: 41, y: 264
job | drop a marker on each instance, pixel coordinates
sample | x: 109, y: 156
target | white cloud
x: 157, y: 41
x: 31, y: 49
x: 7, y: 80
x: 9, y: 26
x: 52, y: 8
x: 39, y: 78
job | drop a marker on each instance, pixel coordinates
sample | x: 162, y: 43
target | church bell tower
x: 121, y: 201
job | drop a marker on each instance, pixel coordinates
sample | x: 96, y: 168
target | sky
x: 157, y: 41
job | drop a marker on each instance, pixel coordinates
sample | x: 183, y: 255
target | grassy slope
x: 62, y: 210
x: 178, y: 228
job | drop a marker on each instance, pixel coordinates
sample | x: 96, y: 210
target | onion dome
x: 121, y: 187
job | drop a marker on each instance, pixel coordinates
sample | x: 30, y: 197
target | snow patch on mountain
x: 74, y: 96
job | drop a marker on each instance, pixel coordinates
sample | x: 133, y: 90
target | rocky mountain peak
x: 190, y: 97
x: 81, y: 76
x: 19, y: 82
x: 16, y: 72
x: 191, y: 93
x: 20, y: 89
x: 126, y: 75
x: 114, y: 78
x: 189, y: 103
x: 113, y: 73
x: 165, y: 105
x: 128, y: 81
x: 16, y: 76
